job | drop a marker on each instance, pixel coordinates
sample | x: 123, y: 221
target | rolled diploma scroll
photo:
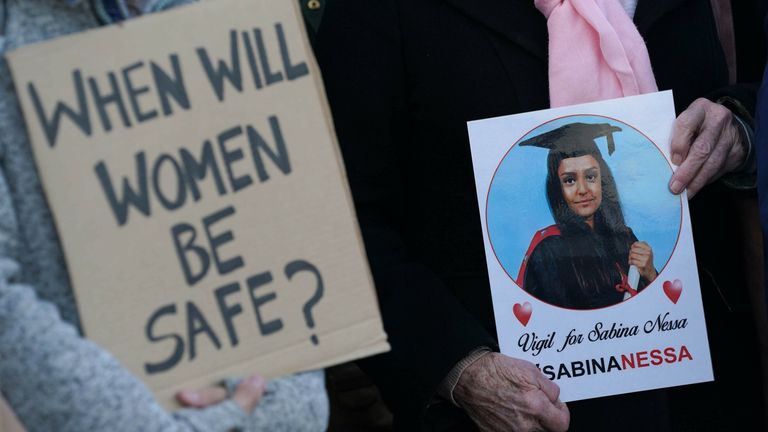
x: 633, y: 278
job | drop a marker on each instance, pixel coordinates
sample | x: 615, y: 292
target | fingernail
x: 191, y: 396
x: 676, y: 187
x: 676, y: 158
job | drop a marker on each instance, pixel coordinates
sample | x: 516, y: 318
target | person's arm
x: 294, y: 403
x: 54, y: 379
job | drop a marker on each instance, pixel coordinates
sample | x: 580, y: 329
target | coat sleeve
x: 359, y: 48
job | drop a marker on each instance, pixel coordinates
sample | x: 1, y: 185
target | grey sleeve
x: 295, y: 403
x: 56, y: 380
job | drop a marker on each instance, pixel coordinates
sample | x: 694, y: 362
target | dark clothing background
x: 403, y: 77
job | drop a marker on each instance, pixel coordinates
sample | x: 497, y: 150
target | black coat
x: 403, y: 77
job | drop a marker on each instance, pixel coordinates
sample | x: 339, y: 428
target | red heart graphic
x: 673, y: 290
x: 523, y: 312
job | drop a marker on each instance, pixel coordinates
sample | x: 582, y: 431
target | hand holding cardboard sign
x: 502, y: 393
x: 247, y: 395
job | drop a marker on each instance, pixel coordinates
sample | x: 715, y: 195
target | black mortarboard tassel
x: 575, y: 138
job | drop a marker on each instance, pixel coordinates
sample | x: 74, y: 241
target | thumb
x: 249, y: 392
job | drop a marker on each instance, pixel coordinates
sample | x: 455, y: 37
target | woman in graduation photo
x: 589, y: 258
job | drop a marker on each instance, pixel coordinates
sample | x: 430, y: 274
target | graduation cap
x: 575, y: 138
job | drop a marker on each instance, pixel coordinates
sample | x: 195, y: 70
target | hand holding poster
x: 590, y: 257
x: 199, y: 194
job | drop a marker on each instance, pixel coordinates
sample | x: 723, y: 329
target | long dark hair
x: 592, y: 253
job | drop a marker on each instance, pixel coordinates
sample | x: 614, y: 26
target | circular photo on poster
x: 579, y: 214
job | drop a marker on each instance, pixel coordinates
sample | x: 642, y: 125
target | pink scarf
x: 595, y: 52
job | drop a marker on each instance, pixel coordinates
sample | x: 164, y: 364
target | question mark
x: 300, y: 265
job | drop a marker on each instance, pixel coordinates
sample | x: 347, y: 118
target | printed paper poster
x: 590, y: 257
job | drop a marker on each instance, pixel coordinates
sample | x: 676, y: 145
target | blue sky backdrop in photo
x: 517, y: 203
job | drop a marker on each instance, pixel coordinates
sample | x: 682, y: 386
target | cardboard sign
x: 190, y: 163
x: 8, y: 420
x: 590, y: 257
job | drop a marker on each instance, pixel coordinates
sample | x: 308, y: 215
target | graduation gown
x: 551, y: 276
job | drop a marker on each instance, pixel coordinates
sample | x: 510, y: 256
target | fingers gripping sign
x: 706, y: 144
x: 556, y: 416
x: 247, y: 395
x: 501, y: 393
